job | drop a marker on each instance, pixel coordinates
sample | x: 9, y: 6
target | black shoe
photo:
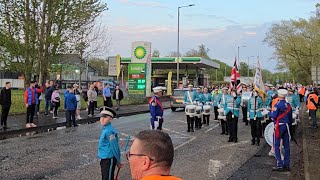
x: 235, y: 140
x: 226, y: 134
x: 192, y: 130
x: 76, y: 125
x: 222, y: 133
x: 258, y: 142
x: 280, y: 169
x: 188, y: 130
x: 230, y: 140
x: 253, y: 142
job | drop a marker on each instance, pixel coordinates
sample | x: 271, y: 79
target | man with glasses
x: 108, y: 148
x: 151, y: 156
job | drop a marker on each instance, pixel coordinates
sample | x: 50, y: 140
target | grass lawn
x: 18, y: 105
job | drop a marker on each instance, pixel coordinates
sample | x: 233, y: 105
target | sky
x: 221, y: 25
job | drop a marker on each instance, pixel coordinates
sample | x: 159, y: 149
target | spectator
x: 70, y: 105
x: 151, y: 156
x: 77, y: 93
x: 92, y: 97
x: 30, y: 100
x: 107, y: 96
x: 55, y: 100
x: 5, y: 101
x: 108, y: 148
x: 97, y: 91
x: 48, y: 94
x: 118, y: 96
x: 85, y: 96
x: 39, y: 89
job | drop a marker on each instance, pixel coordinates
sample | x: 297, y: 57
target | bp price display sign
x: 137, y: 78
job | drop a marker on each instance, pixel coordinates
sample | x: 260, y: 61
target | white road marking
x: 185, y: 135
x: 182, y: 121
x: 214, y: 167
x: 212, y: 128
x: 185, y: 143
x: 177, y: 132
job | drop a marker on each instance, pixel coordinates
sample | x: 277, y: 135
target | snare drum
x: 190, y: 110
x: 221, y: 114
x: 198, y: 111
x: 206, y: 109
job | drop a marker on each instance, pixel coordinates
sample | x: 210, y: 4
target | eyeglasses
x: 128, y: 155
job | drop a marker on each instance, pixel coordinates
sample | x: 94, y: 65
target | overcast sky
x: 221, y: 25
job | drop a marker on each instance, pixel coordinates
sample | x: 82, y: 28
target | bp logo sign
x: 140, y: 52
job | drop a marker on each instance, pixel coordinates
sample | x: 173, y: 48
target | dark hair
x: 157, y: 145
x: 7, y: 82
x: 69, y: 87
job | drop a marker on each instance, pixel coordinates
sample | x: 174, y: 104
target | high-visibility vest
x: 302, y: 91
x: 274, y: 102
x: 310, y: 105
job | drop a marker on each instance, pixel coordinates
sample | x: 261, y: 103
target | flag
x: 235, y: 77
x: 258, y: 82
x: 118, y: 65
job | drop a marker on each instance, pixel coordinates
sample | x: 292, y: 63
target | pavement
x: 311, y: 149
x: 16, y: 123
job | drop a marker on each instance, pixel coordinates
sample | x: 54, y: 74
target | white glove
x: 234, y: 94
x: 248, y: 118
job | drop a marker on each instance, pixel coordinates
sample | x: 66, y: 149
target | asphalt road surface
x: 72, y: 153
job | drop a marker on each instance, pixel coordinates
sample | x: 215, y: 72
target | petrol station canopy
x: 171, y: 63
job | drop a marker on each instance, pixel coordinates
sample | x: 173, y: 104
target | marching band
x: 279, y: 105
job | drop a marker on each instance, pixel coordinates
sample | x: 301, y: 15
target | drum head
x: 206, y: 107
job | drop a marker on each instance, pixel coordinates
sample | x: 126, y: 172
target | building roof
x: 171, y: 62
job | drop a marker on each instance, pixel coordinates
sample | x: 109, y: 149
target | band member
x: 293, y: 99
x: 206, y: 99
x: 189, y: 98
x: 282, y: 117
x: 255, y: 116
x: 231, y: 110
x: 244, y: 104
x: 108, y: 147
x: 156, y: 109
x: 198, y: 99
x: 224, y: 124
x: 216, y: 97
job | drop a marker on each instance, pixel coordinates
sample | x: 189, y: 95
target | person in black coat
x: 118, y: 96
x: 5, y: 101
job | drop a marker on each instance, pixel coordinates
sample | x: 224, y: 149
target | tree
x: 100, y: 65
x: 34, y: 32
x: 297, y: 44
x: 202, y: 51
x: 155, y: 53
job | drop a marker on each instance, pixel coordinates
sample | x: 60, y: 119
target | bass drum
x: 190, y: 110
x: 268, y: 133
x: 206, y: 109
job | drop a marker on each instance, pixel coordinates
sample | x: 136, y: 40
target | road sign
x: 140, y: 51
x: 137, y: 78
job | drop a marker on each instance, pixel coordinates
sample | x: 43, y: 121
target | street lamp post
x: 239, y: 55
x: 178, y: 43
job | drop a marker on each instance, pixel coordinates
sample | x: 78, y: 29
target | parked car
x: 177, y: 99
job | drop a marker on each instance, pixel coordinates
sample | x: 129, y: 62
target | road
x: 71, y: 153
